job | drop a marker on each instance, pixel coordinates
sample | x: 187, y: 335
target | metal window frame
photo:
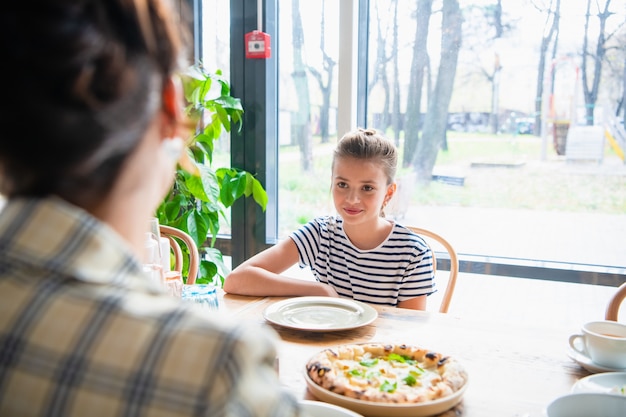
x: 255, y: 149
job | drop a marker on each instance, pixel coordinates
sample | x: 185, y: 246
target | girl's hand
x: 329, y: 290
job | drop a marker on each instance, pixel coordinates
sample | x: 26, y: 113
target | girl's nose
x: 353, y: 196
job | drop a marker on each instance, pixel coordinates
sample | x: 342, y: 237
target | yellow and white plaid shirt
x: 83, y: 332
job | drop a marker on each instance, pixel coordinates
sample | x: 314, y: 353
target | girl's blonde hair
x: 370, y: 145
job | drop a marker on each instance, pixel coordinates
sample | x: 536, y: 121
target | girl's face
x: 359, y: 189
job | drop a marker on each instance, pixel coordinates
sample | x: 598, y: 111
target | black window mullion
x: 254, y: 82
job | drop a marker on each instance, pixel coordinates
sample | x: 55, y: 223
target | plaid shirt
x: 84, y: 333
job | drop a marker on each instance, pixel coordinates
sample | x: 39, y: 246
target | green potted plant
x: 200, y: 197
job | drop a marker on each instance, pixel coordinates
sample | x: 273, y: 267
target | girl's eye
x: 368, y: 188
x: 342, y: 185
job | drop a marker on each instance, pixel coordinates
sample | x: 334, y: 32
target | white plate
x: 319, y: 314
x: 606, y: 382
x: 588, y: 364
x: 320, y: 409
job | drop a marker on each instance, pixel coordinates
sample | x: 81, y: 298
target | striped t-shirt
x: 400, y: 268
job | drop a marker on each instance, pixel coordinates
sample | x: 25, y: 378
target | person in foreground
x: 357, y: 253
x: 83, y: 331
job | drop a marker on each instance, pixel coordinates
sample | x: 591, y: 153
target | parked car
x: 525, y: 125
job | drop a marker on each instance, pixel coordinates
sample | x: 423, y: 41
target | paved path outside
x: 587, y: 238
x: 597, y: 239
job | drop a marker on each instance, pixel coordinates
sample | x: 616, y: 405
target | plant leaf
x: 200, y: 195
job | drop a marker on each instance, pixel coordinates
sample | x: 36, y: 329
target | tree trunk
x: 325, y: 86
x: 435, y: 123
x: 541, y: 67
x: 623, y: 101
x: 416, y: 83
x: 301, y: 128
x: 591, y: 92
x: 497, y: 68
x: 380, y: 74
x: 495, y: 95
x: 396, y: 123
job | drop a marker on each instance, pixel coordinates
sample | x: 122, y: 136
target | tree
x: 550, y: 36
x: 324, y: 81
x: 494, y: 77
x: 591, y: 87
x: 483, y: 31
x: 435, y: 124
x: 301, y: 126
x: 419, y: 64
x: 622, y: 99
x: 380, y: 71
x: 395, y: 104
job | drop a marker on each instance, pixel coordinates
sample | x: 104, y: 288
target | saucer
x: 588, y: 364
x: 605, y: 382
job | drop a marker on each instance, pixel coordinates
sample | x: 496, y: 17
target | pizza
x: 387, y: 373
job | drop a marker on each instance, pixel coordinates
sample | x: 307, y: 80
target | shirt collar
x: 49, y: 234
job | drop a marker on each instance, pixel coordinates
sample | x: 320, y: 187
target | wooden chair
x: 612, y: 309
x: 454, y: 264
x: 194, y: 256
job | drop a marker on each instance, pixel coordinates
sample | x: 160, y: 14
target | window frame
x: 255, y: 147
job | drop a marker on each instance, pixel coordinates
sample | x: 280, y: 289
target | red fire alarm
x: 257, y: 45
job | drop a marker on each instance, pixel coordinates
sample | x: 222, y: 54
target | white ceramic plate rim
x: 603, y: 382
x: 588, y: 364
x: 276, y: 313
x: 320, y: 409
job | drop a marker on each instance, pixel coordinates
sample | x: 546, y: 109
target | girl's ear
x: 391, y: 190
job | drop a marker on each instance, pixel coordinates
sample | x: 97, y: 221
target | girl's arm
x: 417, y: 303
x: 260, y: 275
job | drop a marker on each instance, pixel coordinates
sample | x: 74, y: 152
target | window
x: 504, y: 190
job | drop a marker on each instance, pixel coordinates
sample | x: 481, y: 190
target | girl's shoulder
x: 401, y: 232
x: 328, y: 221
x: 322, y: 225
x: 400, y: 227
x: 403, y: 229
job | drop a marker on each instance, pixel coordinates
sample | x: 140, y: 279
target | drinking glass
x: 204, y: 295
x: 153, y: 261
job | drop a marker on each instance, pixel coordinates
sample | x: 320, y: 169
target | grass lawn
x: 511, y: 174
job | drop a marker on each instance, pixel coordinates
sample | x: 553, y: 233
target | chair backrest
x: 454, y: 264
x: 194, y: 256
x: 612, y: 309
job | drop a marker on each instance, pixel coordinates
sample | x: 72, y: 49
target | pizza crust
x: 386, y: 373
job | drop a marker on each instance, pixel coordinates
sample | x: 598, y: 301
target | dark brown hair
x: 85, y: 80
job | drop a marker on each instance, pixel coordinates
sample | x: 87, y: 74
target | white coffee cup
x: 604, y: 342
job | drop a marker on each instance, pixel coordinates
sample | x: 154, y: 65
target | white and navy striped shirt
x: 400, y: 268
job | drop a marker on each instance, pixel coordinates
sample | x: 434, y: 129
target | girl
x: 357, y: 253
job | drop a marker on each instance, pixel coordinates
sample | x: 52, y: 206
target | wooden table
x: 514, y: 370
